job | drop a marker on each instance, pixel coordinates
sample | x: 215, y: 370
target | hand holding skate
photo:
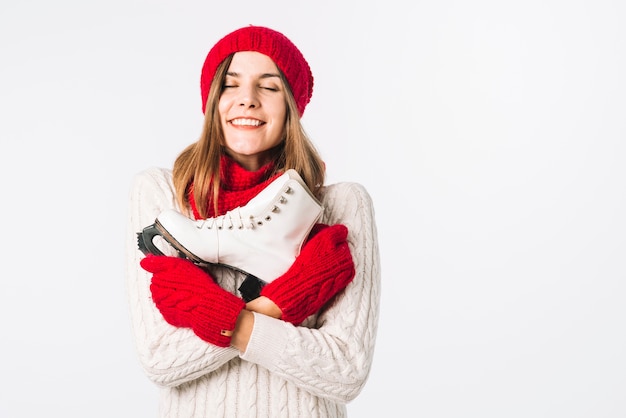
x: 323, y: 268
x: 188, y: 297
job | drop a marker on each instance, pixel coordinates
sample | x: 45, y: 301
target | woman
x: 304, y: 347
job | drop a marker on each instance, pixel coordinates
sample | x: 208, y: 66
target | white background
x: 490, y: 134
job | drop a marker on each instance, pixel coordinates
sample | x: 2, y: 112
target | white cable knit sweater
x: 311, y: 370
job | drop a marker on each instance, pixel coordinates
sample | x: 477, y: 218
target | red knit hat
x: 268, y: 42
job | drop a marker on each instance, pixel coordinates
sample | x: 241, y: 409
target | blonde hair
x: 197, y: 167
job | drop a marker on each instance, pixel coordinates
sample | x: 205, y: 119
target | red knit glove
x: 188, y: 297
x: 323, y: 268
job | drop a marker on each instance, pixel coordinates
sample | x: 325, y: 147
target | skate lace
x: 235, y: 219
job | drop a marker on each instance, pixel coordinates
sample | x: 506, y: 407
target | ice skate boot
x: 261, y: 238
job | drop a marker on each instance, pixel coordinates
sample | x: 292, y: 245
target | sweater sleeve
x: 331, y: 355
x: 169, y: 355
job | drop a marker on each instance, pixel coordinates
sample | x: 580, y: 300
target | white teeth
x: 246, y: 122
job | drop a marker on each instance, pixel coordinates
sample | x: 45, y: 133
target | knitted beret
x: 268, y: 42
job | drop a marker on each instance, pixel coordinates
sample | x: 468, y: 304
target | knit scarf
x: 237, y: 186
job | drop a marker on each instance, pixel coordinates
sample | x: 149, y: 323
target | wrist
x: 265, y: 306
x: 243, y: 330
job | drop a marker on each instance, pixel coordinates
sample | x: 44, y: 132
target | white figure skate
x: 261, y: 239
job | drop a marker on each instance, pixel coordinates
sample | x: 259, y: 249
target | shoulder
x: 153, y: 185
x: 344, y: 189
x: 157, y: 175
x: 154, y: 179
x: 346, y: 195
x: 346, y: 200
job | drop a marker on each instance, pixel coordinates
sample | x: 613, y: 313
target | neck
x: 252, y: 162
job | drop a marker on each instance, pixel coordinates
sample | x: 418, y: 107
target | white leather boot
x: 261, y: 238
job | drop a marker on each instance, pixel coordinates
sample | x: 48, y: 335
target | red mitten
x: 188, y: 297
x: 323, y: 268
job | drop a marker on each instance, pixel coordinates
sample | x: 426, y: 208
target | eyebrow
x: 264, y: 75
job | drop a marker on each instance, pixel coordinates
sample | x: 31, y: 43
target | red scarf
x: 237, y: 186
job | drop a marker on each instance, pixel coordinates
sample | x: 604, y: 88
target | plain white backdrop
x: 490, y: 134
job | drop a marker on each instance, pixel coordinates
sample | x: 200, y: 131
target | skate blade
x: 146, y: 244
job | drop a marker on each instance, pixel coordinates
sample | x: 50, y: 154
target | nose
x: 248, y: 98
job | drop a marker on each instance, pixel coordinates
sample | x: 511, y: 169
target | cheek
x: 222, y: 106
x: 280, y: 111
x: 222, y: 110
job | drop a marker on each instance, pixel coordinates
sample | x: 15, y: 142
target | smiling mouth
x: 246, y: 122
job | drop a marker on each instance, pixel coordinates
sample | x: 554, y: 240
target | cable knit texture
x: 311, y: 370
x: 323, y: 268
x: 188, y: 297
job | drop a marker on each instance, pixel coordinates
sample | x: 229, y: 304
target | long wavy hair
x: 197, y: 167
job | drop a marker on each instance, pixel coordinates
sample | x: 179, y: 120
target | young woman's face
x: 252, y: 108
